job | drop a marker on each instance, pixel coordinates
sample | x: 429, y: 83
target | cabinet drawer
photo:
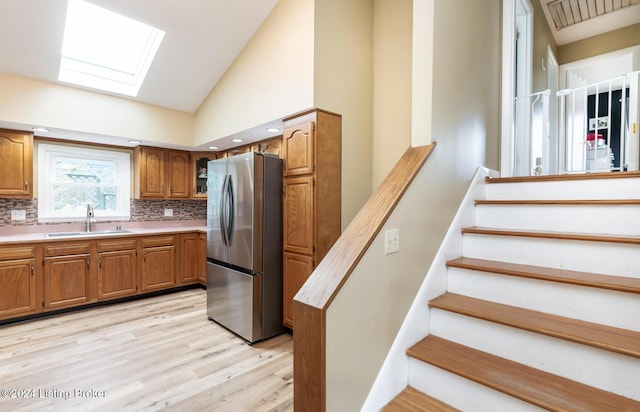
x: 67, y: 249
x: 158, y: 241
x: 18, y: 252
x: 111, y: 245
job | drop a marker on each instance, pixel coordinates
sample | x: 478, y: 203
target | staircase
x: 542, y: 311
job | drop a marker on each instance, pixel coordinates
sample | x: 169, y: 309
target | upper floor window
x: 70, y: 177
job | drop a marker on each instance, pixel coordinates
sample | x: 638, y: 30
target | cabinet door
x: 297, y: 148
x: 298, y: 215
x: 199, y: 175
x: 66, y: 281
x: 296, y: 271
x: 152, y: 172
x: 189, y: 259
x: 116, y: 274
x: 17, y: 288
x: 271, y: 146
x: 178, y: 174
x: 16, y: 164
x: 158, y: 267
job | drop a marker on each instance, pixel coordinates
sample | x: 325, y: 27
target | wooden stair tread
x: 550, y: 178
x: 539, y: 388
x: 626, y: 342
x: 583, y: 202
x: 629, y: 239
x: 619, y: 283
x: 411, y: 399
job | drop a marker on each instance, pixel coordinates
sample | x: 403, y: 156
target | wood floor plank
x: 149, y: 354
x: 626, y: 342
x: 531, y: 385
x: 619, y: 283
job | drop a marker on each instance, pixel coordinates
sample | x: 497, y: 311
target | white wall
x: 365, y: 316
x: 343, y: 83
x: 33, y: 102
x: 273, y: 77
x: 392, y: 33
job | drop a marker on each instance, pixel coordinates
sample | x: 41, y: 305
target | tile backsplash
x: 141, y: 210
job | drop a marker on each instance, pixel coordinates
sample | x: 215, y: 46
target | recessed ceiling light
x: 272, y: 129
x: 213, y: 147
x: 237, y: 140
x: 41, y: 129
x: 105, y: 50
x: 135, y: 141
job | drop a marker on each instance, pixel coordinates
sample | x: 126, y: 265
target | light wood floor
x: 158, y: 353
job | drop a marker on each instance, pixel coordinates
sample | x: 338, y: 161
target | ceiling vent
x: 565, y: 13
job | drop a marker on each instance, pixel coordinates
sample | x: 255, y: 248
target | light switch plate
x: 168, y: 212
x: 391, y: 241
x: 18, y: 215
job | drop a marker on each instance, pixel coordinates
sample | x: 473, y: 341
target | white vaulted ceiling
x: 203, y: 37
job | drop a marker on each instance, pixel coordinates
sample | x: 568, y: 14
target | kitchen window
x: 71, y: 177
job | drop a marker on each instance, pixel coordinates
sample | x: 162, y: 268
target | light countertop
x: 38, y: 233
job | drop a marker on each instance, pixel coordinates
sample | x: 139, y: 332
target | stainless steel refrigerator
x: 244, y: 245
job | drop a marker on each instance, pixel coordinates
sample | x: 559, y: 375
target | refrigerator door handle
x: 222, y: 214
x: 232, y: 212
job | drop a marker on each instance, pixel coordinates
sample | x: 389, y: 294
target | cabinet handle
x: 87, y: 263
x: 100, y: 263
x: 144, y: 256
x: 32, y: 270
x: 26, y: 185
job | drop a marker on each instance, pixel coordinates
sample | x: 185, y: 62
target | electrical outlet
x: 18, y: 215
x: 168, y: 212
x: 391, y: 241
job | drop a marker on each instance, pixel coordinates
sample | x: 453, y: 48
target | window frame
x: 48, y: 152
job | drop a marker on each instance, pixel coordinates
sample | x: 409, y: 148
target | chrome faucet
x: 90, y: 218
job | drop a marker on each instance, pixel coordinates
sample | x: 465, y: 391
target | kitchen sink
x: 92, y: 233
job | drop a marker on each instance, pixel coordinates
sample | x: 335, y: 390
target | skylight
x: 105, y: 50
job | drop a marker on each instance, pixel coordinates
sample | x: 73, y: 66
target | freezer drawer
x: 234, y: 300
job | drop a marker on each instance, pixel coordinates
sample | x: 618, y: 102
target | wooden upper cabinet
x: 16, y: 164
x: 179, y: 176
x: 199, y: 173
x: 161, y: 173
x: 298, y: 149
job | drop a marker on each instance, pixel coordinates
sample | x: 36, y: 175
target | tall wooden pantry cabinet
x: 311, y: 149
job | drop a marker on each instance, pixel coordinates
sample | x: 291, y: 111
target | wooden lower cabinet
x: 158, y: 263
x: 117, y: 268
x: 17, y: 288
x: 297, y: 269
x: 66, y: 281
x: 189, y: 259
x: 47, y: 276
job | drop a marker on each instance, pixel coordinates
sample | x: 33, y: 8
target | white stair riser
x: 602, y: 369
x: 462, y: 393
x: 600, y: 219
x: 608, y: 307
x: 628, y: 188
x: 586, y: 256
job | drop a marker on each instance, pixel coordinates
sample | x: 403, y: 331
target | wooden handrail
x: 314, y: 298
